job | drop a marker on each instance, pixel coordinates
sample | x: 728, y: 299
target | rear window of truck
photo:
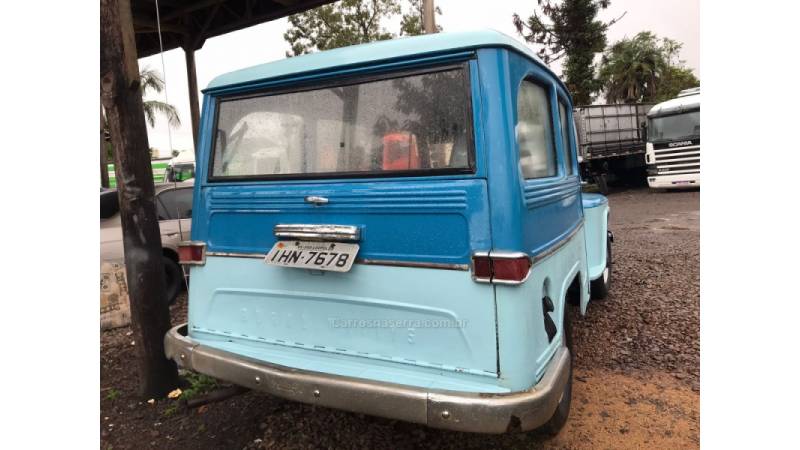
x: 414, y: 124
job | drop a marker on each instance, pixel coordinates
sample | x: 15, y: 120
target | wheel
x: 173, y: 276
x: 599, y: 288
x: 602, y: 183
x: 559, y: 418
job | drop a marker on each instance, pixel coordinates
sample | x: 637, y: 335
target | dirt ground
x: 636, y: 376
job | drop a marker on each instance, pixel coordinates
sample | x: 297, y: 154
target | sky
x: 676, y: 19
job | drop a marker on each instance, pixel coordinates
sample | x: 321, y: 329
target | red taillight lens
x: 511, y: 268
x: 482, y: 268
x: 192, y: 252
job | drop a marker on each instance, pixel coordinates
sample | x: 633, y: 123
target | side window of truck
x: 537, y: 153
x: 562, y: 112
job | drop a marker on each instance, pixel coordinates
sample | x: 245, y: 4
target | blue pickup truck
x: 395, y: 229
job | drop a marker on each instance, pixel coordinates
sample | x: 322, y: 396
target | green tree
x: 569, y: 29
x: 340, y: 24
x: 644, y: 69
x: 351, y: 22
x: 149, y: 80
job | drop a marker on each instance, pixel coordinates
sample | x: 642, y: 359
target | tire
x: 599, y: 288
x: 173, y: 277
x: 602, y: 183
x: 561, y: 414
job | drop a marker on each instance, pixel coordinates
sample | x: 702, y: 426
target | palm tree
x: 632, y: 69
x: 150, y: 80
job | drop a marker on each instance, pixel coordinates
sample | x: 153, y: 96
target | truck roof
x: 363, y: 54
x: 676, y: 105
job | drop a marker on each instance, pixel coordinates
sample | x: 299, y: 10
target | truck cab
x: 673, y: 142
x: 395, y: 229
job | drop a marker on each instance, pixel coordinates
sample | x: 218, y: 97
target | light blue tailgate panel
x: 284, y: 315
x: 595, y: 210
x: 524, y: 349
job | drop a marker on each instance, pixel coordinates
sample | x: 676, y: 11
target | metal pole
x: 194, y: 101
x: 428, y: 19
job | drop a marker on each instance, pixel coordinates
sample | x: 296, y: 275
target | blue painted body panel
x: 428, y: 325
x: 596, y: 211
x: 381, y: 52
x: 285, y: 315
x: 522, y: 340
x: 388, y: 212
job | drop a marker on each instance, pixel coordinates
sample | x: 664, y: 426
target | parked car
x: 395, y: 229
x: 174, y: 209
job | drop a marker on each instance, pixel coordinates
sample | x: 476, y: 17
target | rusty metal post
x: 122, y: 101
x: 194, y: 101
x: 428, y: 16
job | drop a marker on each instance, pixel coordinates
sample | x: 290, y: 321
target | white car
x: 174, y: 209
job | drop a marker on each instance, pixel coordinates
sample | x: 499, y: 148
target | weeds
x: 170, y: 410
x: 113, y: 394
x: 198, y: 384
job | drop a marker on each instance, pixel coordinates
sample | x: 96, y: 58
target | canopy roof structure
x: 187, y: 24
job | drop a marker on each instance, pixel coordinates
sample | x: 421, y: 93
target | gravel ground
x: 636, y: 376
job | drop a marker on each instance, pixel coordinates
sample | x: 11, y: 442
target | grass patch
x: 113, y: 394
x: 170, y: 410
x: 198, y: 384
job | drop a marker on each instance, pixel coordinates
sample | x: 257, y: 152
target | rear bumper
x: 452, y: 410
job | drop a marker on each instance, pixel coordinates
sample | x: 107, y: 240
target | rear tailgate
x: 409, y: 298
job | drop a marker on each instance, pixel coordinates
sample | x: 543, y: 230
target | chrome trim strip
x: 385, y: 262
x: 501, y: 254
x: 371, y: 262
x: 238, y: 255
x: 535, y: 259
x: 319, y: 201
x: 318, y: 232
x: 452, y: 410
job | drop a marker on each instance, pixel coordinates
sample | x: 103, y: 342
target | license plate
x: 334, y: 256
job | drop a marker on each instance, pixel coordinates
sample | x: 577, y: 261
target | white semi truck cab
x: 673, y: 142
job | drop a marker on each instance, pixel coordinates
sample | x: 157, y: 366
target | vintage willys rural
x: 394, y: 229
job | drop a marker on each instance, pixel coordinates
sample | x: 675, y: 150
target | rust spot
x: 514, y: 425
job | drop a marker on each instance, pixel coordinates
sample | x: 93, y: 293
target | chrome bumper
x: 452, y: 410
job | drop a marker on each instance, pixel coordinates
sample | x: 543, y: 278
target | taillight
x: 192, y: 252
x: 500, y: 267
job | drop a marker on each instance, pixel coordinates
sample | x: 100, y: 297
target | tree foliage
x: 339, y: 24
x: 569, y: 29
x: 644, y: 69
x: 350, y: 22
x: 150, y: 80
